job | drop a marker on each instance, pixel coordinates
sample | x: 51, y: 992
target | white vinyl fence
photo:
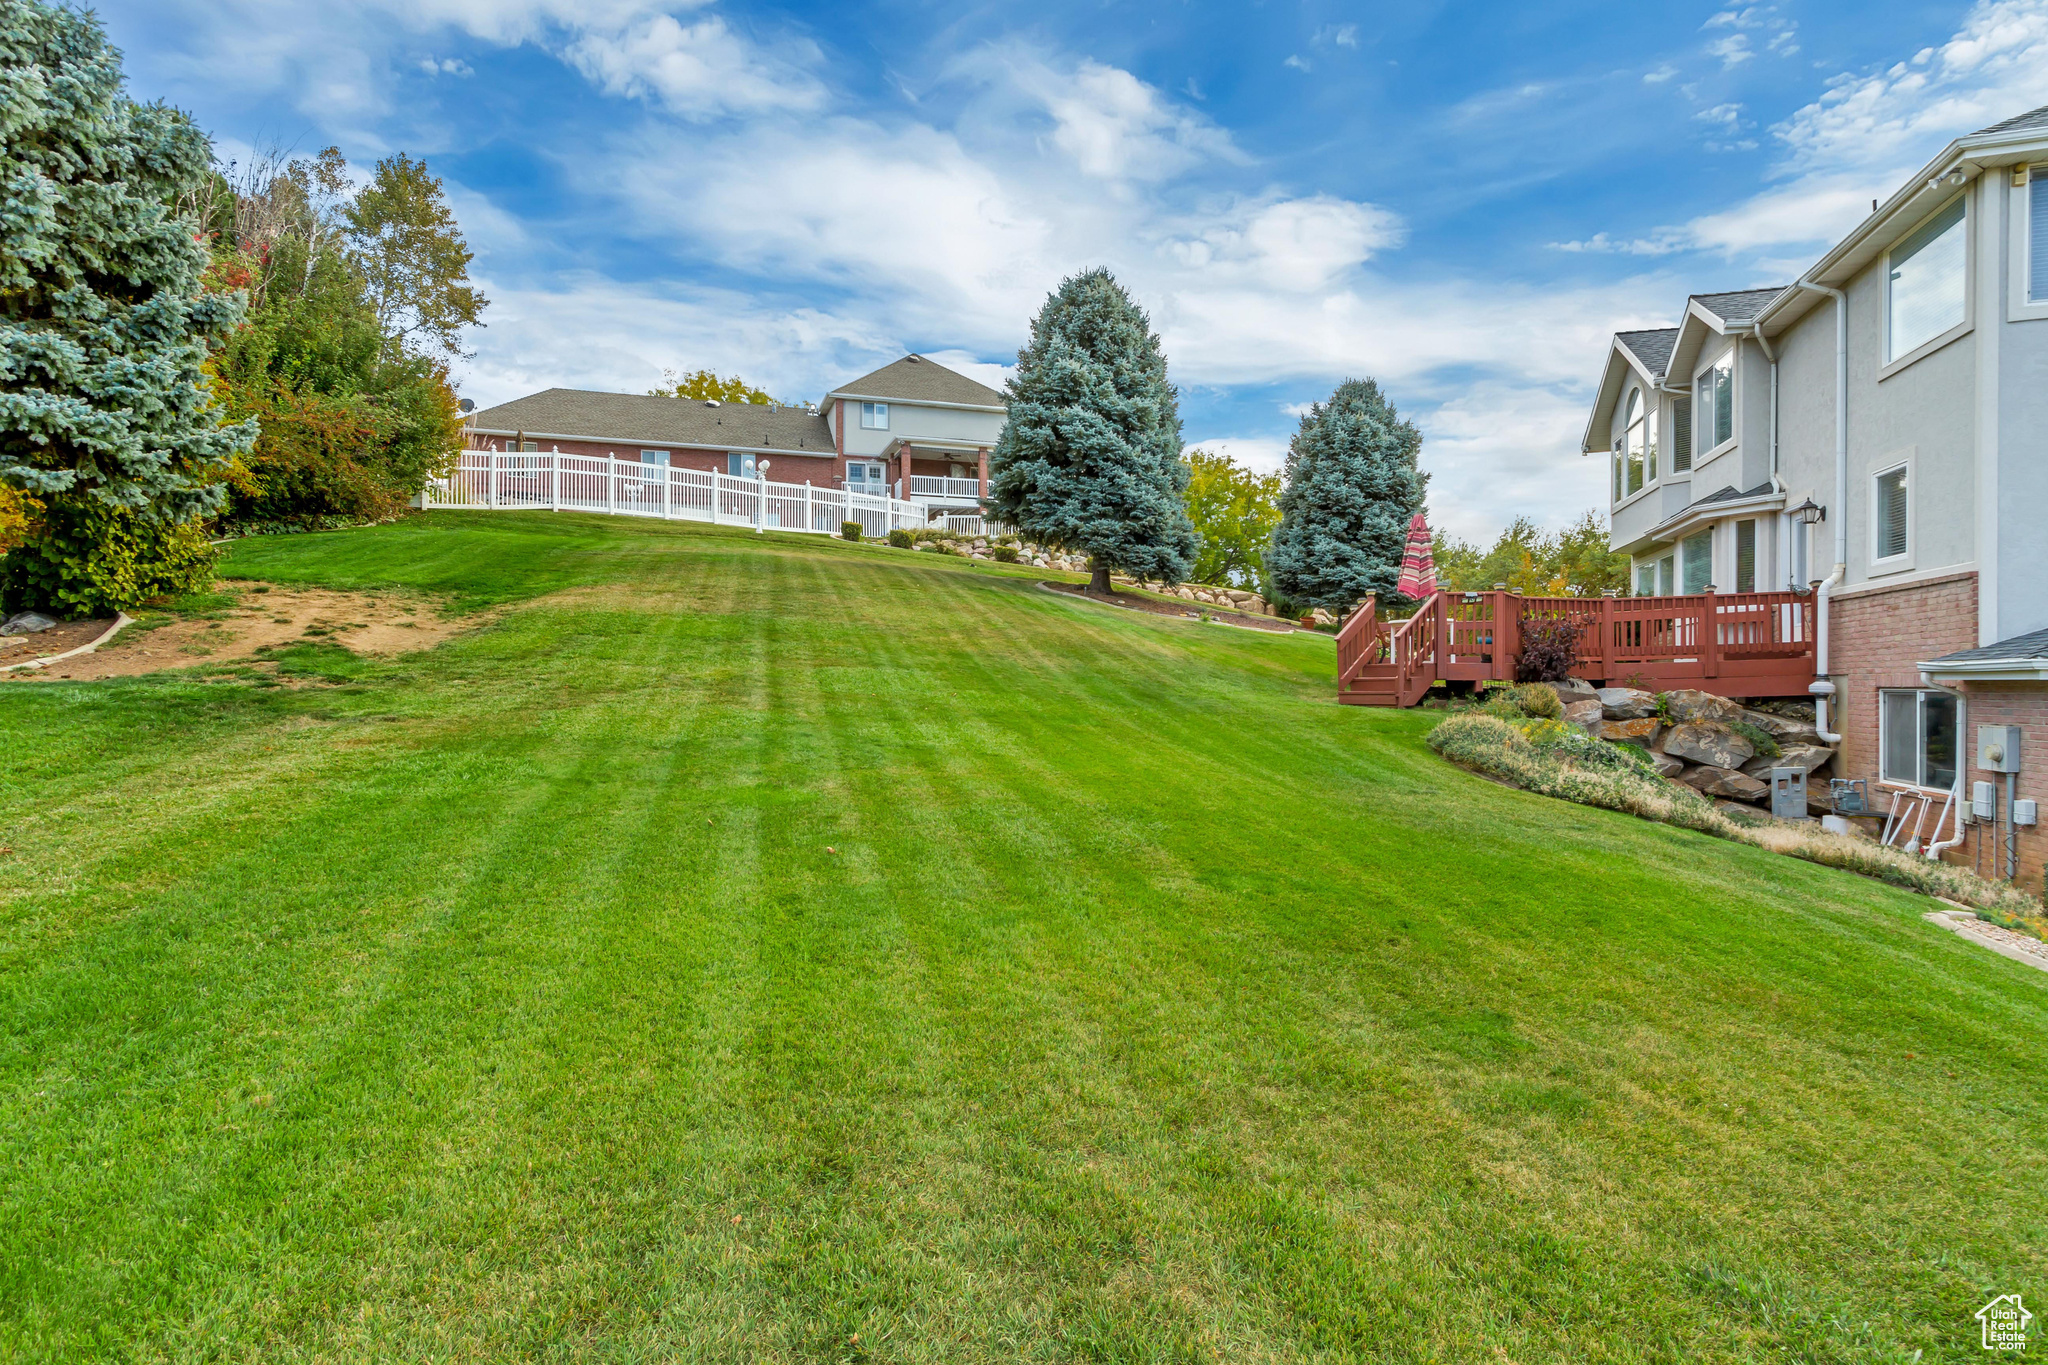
x: 555, y: 482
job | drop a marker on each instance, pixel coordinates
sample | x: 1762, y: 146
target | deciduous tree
x: 1089, y: 460
x: 1234, y: 512
x: 413, y: 258
x: 708, y: 384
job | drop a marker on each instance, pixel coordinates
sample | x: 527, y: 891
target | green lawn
x: 508, y: 1000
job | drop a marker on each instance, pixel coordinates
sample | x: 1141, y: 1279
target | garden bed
x: 1133, y: 602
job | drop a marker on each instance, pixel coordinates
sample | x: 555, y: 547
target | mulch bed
x: 1132, y: 602
x: 15, y: 649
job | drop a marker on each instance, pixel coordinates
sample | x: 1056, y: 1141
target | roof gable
x: 1624, y: 360
x: 916, y: 379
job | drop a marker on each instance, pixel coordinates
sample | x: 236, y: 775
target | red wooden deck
x: 1745, y: 644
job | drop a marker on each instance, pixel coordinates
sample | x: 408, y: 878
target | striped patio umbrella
x: 1418, y: 563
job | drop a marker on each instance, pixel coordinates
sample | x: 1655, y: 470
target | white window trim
x: 2018, y: 307
x: 868, y: 407
x: 1898, y: 563
x: 1701, y: 458
x: 1884, y: 291
x: 1920, y: 695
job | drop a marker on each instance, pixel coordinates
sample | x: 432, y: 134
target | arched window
x: 1634, y: 444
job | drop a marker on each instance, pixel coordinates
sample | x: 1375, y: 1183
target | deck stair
x: 1752, y: 644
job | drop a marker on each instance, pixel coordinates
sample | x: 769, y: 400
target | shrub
x: 87, y: 559
x: 1550, y: 647
x: 1003, y: 554
x: 1539, y: 699
x: 849, y: 530
x: 1502, y: 706
x: 1760, y: 739
x: 902, y: 539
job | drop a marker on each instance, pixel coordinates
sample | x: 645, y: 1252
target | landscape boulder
x: 1627, y: 703
x: 1704, y: 741
x: 1575, y: 689
x: 1715, y: 781
x: 1667, y: 766
x: 26, y: 623
x: 1784, y: 729
x: 1639, y: 731
x: 1808, y: 758
x: 1584, y: 714
x: 1689, y: 703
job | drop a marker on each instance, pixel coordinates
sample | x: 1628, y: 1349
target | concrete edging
x: 1963, y: 924
x: 121, y: 619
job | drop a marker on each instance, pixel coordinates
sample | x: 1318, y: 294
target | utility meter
x: 1984, y: 800
x: 2025, y: 812
x: 1998, y: 748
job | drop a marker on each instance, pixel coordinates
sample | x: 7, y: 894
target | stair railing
x: 1360, y: 641
x: 1413, y: 646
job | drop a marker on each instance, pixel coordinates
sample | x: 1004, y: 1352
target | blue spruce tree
x: 1352, y: 486
x: 107, y: 419
x: 1089, y: 461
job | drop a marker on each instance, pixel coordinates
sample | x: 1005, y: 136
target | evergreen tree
x: 1089, y: 461
x: 1352, y: 487
x: 107, y: 421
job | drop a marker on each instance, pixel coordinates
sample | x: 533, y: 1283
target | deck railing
x: 933, y: 486
x: 588, y: 483
x: 1759, y: 641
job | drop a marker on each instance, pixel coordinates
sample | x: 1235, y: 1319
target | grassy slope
x: 507, y: 1000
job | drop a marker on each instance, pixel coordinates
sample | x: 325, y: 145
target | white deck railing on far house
x: 934, y: 486
x: 551, y: 481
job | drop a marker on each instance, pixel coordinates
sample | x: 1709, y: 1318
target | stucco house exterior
x: 912, y: 430
x: 1876, y: 432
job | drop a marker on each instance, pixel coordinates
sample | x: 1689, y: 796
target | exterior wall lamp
x: 1810, y: 513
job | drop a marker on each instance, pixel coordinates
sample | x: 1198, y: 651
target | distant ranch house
x: 912, y: 430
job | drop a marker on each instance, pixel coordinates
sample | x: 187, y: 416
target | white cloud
x: 1336, y: 35
x: 1733, y: 50
x: 447, y: 66
x: 1294, y: 244
x: 1260, y: 454
x: 1499, y: 450
x: 1297, y: 61
x: 1115, y: 127
x: 1660, y: 75
x: 699, y: 70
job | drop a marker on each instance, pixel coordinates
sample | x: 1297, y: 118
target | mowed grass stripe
x: 1153, y: 1007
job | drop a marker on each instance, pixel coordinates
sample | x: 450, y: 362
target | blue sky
x: 1463, y: 201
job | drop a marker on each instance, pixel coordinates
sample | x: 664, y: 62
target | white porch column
x: 611, y: 482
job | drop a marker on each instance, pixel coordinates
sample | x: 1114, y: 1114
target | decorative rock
x: 1702, y: 741
x: 1808, y: 758
x: 26, y: 623
x: 1716, y: 781
x: 1573, y: 690
x: 1584, y: 714
x: 1689, y: 703
x: 1667, y: 766
x: 1639, y: 731
x: 1627, y: 703
x: 1784, y: 729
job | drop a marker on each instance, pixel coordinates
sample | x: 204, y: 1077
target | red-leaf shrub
x: 1550, y: 647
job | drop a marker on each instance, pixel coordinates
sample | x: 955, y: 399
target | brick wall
x: 1875, y: 639
x: 2024, y: 705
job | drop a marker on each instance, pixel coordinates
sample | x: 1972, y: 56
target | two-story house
x: 912, y: 430
x: 1875, y: 432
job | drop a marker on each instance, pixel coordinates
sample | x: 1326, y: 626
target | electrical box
x: 1983, y: 801
x: 1788, y: 793
x: 2024, y: 813
x: 1998, y: 748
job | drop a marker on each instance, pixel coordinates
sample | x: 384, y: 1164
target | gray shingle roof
x: 2027, y: 122
x: 1652, y: 348
x: 1739, y: 305
x: 915, y: 379
x: 1731, y: 494
x: 634, y: 419
x: 2032, y: 645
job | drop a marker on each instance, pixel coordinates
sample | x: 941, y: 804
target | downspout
x: 1823, y: 688
x: 1935, y: 850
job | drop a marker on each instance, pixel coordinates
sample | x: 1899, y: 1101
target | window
x: 1745, y: 556
x: 1646, y: 580
x: 874, y: 416
x: 738, y: 465
x: 863, y: 476
x: 1632, y: 439
x: 1717, y: 402
x: 654, y: 457
x: 1918, y: 744
x: 1617, y: 472
x: 1889, y: 523
x: 1698, y: 551
x: 2037, y: 235
x: 1681, y: 435
x: 1667, y: 575
x: 1924, y: 288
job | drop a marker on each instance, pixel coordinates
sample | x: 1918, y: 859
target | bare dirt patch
x: 1133, y: 602
x: 64, y: 635
x: 263, y: 616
